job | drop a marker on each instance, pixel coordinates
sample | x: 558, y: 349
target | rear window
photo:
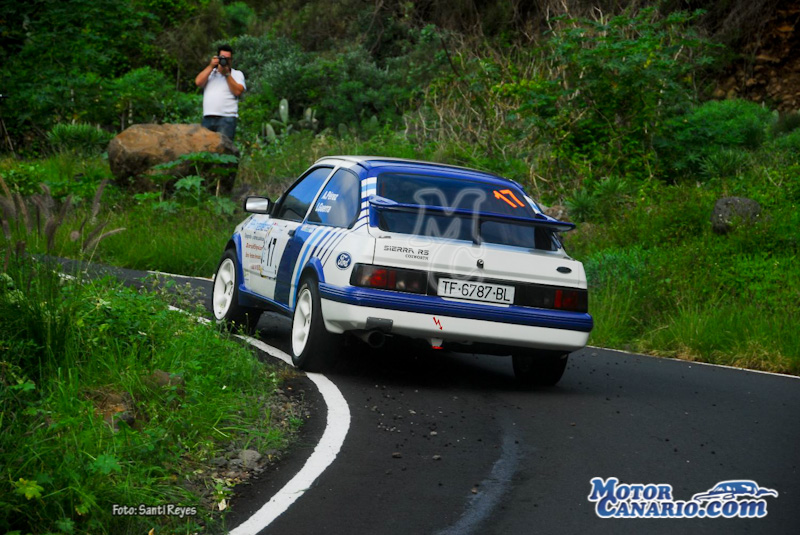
x: 458, y: 194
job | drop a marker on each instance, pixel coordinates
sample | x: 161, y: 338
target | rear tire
x: 314, y: 349
x: 225, y: 297
x: 538, y: 368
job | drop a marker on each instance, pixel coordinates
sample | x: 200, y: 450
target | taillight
x: 400, y: 280
x: 379, y: 278
x: 570, y: 300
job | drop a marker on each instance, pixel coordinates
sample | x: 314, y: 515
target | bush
x: 345, y: 87
x: 613, y: 83
x: 79, y: 138
x: 64, y: 173
x: 350, y: 87
x: 789, y: 142
x: 786, y: 123
x: 729, y: 124
x: 724, y: 163
x: 145, y: 95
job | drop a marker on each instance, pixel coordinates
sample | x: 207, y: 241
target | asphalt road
x: 446, y: 443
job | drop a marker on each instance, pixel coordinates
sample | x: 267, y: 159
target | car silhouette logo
x: 731, y: 490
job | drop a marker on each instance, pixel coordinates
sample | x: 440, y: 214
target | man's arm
x: 235, y: 87
x: 202, y: 79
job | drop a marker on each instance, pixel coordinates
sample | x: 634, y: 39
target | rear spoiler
x: 540, y: 220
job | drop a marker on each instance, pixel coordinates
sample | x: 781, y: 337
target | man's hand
x: 224, y: 70
x: 214, y: 61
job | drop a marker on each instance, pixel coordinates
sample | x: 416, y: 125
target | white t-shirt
x: 217, y: 96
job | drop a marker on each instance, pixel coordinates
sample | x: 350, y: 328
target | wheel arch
x: 235, y: 245
x: 312, y: 269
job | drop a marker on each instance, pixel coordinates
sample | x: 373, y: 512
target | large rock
x: 557, y: 211
x: 133, y: 153
x: 731, y: 211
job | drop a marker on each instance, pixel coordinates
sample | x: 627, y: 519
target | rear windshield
x: 462, y: 195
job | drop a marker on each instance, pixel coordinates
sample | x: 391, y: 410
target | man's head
x: 225, y: 54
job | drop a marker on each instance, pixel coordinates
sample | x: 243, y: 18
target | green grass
x: 181, y: 234
x: 663, y: 283
x: 74, y: 354
x: 189, y: 242
x: 731, y: 334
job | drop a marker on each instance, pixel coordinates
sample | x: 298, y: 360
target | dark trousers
x: 224, y: 125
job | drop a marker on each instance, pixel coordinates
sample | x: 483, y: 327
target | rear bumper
x: 424, y: 316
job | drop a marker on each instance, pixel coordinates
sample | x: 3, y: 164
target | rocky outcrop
x: 557, y: 211
x: 770, y: 69
x: 732, y: 211
x: 133, y: 153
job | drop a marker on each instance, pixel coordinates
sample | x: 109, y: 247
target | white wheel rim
x: 301, y: 324
x: 224, y: 284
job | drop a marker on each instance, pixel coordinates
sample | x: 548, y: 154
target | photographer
x: 222, y: 87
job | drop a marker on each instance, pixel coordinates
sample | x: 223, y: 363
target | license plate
x: 476, y: 291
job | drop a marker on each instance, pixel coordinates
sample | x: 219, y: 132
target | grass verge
x: 109, y: 397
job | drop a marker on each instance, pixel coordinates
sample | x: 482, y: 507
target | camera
x: 224, y: 61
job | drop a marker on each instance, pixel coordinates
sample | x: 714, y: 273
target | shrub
x: 346, y: 87
x: 789, y: 142
x: 64, y: 173
x: 786, y: 123
x: 616, y: 80
x: 582, y: 205
x: 724, y: 163
x: 729, y: 124
x: 616, y: 267
x: 240, y: 17
x: 79, y: 138
x: 145, y: 96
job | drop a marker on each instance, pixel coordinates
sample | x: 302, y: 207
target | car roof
x: 376, y: 163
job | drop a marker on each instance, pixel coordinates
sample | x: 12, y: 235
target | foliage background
x: 601, y: 109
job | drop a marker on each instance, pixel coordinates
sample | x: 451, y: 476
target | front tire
x: 225, y: 297
x: 538, y: 368
x: 314, y: 349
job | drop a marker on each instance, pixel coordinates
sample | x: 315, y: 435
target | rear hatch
x: 485, y: 261
x: 478, y: 240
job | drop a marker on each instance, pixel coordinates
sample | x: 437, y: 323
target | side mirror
x: 257, y: 205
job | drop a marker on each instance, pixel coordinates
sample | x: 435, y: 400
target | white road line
x: 179, y: 276
x: 692, y: 362
x: 338, y: 423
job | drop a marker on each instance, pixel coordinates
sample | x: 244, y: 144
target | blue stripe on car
x: 315, y: 236
x: 332, y: 249
x: 319, y: 251
x: 329, y: 243
x: 328, y: 235
x: 428, y: 304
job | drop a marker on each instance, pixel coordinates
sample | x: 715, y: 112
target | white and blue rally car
x: 378, y: 247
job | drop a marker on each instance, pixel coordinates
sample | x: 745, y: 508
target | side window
x: 337, y: 206
x: 296, y: 201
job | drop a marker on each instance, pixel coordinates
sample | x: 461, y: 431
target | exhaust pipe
x: 373, y: 339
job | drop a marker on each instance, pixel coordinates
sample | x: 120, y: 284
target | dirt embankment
x: 769, y: 70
